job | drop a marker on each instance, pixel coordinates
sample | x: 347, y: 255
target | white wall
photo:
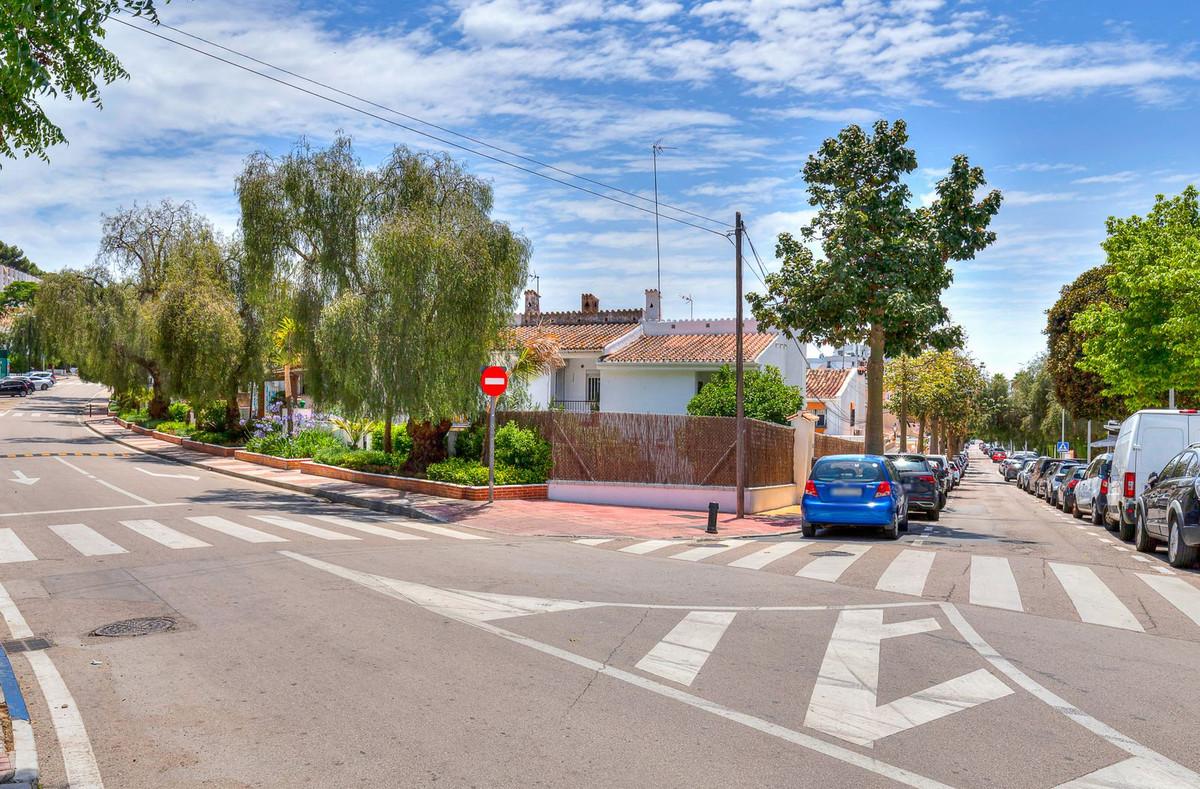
x: 675, y: 497
x: 648, y: 390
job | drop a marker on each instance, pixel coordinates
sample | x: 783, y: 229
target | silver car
x: 1091, y: 493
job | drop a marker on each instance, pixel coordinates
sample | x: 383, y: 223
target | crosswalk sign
x: 1063, y: 446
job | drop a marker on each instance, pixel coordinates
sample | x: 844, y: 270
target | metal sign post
x: 493, y: 381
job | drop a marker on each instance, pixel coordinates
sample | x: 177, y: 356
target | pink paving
x: 530, y: 518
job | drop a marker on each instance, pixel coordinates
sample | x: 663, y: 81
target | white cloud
x: 1016, y: 197
x: 1111, y: 178
x: 1044, y: 167
x: 859, y: 115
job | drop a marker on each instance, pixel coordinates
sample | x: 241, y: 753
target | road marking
x: 1121, y: 548
x: 830, y: 568
x: 1061, y: 705
x: 435, y: 529
x: 164, y: 535
x: 761, y: 558
x: 1140, y: 558
x: 907, y: 573
x: 232, y: 529
x: 593, y: 540
x: 412, y: 593
x: 93, y: 509
x: 1178, y: 593
x: 17, y: 626
x: 86, y: 540
x: 1164, y: 571
x: 844, y: 699
x: 1132, y: 773
x: 73, y: 742
x: 993, y: 584
x: 167, y: 476
x: 705, y: 551
x: 108, y: 485
x: 12, y: 549
x: 646, y: 547
x: 1081, y: 528
x: 304, y: 528
x: 19, y: 477
x: 682, y: 652
x: 368, y: 528
x: 1093, y: 601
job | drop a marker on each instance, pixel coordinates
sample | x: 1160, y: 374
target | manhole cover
x: 831, y: 553
x: 136, y: 627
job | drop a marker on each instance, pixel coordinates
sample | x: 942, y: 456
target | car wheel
x: 1179, y: 554
x: 809, y: 530
x: 1142, y: 540
x: 1125, y: 530
x: 892, y: 531
x: 1078, y: 513
x: 1098, y: 518
x: 934, y: 515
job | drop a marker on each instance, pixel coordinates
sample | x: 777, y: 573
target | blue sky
x: 1076, y: 111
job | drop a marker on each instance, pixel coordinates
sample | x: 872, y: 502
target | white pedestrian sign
x: 1064, y: 446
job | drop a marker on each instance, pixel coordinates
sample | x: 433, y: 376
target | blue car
x: 855, y: 490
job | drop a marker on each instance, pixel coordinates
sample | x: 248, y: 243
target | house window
x: 702, y: 379
x: 852, y: 415
x: 821, y: 420
x: 593, y: 387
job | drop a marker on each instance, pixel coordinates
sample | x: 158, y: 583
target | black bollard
x: 713, y: 509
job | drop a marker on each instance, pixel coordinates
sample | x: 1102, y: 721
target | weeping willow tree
x: 398, y: 277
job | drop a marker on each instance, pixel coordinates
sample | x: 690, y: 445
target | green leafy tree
x: 1146, y: 339
x: 52, y: 48
x: 767, y: 396
x: 1080, y: 391
x: 18, y: 294
x: 13, y: 257
x: 885, y: 264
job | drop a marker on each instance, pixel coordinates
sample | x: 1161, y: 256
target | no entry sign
x: 493, y: 381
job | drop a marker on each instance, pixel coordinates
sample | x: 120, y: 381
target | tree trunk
x: 921, y: 434
x: 428, y: 444
x: 262, y: 399
x: 874, y: 431
x: 935, y: 435
x: 387, y: 433
x: 287, y: 395
x: 233, y: 414
x: 903, y: 425
x: 158, y: 403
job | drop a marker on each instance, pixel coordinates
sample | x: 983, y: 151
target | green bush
x: 521, y: 449
x: 305, y: 444
x: 371, y: 460
x: 178, y: 411
x: 175, y: 428
x: 137, y: 416
x: 210, y: 416
x: 469, y: 443
x: 225, y: 439
x: 401, y: 443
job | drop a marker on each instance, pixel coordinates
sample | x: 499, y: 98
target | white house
x: 634, y: 361
x: 837, y: 396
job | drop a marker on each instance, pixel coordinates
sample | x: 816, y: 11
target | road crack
x: 607, y: 660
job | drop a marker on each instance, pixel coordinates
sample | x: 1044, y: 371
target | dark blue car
x: 855, y: 490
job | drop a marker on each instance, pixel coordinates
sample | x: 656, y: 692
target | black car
x: 920, y: 483
x: 1055, y: 482
x: 1036, y: 477
x: 1169, y: 510
x: 14, y: 387
x: 1066, y: 493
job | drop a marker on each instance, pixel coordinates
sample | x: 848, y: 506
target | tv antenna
x: 655, y: 150
x: 691, y: 305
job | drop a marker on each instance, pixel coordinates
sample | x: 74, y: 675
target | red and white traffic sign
x: 493, y: 381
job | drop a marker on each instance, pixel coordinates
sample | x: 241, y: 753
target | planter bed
x: 210, y: 449
x: 427, y: 486
x: 288, y: 464
x: 171, y: 437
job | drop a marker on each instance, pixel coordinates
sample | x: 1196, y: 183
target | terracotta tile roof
x: 585, y: 337
x: 824, y: 384
x: 690, y: 348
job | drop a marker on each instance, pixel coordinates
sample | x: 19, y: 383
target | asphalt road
x: 316, y: 644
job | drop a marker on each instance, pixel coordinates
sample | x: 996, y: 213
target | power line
x: 435, y: 137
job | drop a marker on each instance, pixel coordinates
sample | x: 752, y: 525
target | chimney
x: 653, y: 308
x: 533, y: 307
x: 589, y: 304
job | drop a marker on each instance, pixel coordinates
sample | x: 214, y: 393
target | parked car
x: 41, y: 380
x: 1056, y: 483
x: 857, y: 490
x: 1023, y: 473
x: 955, y: 473
x: 1066, y: 492
x: 941, y: 467
x: 1012, y: 467
x: 999, y: 455
x: 1091, y: 494
x: 1145, y: 442
x: 920, y: 484
x: 13, y: 387
x: 1169, y: 509
x: 1037, y: 473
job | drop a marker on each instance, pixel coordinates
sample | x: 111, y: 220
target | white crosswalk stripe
x: 87, y: 540
x: 368, y: 528
x: 830, y: 568
x: 706, y: 551
x: 593, y: 540
x: 236, y: 530
x: 907, y: 573
x: 993, y: 584
x: 1178, y: 593
x: 164, y: 535
x: 303, y: 528
x: 646, y: 546
x: 441, y: 531
x: 12, y: 549
x: 773, y: 552
x: 683, y: 652
x: 1093, y: 600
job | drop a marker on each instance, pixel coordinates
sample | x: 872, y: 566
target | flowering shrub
x: 304, y: 444
x: 371, y: 460
x: 462, y: 471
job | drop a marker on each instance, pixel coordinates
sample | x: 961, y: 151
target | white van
x: 1147, y: 440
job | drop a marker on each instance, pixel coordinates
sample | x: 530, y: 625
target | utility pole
x: 1089, y: 442
x: 1171, y: 397
x: 655, y: 150
x: 1062, y: 433
x: 739, y: 231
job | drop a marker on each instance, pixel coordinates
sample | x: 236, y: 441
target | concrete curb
x: 24, y: 762
x: 391, y: 508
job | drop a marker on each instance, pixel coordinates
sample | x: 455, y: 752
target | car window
x: 1173, y: 467
x: 1193, y: 466
x: 910, y: 463
x: 847, y: 470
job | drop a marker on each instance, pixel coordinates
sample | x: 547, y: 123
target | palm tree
x: 285, y: 341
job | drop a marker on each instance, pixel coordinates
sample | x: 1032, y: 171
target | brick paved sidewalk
x: 531, y: 518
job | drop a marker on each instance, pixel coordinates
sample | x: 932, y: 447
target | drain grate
x: 831, y: 553
x: 141, y: 626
